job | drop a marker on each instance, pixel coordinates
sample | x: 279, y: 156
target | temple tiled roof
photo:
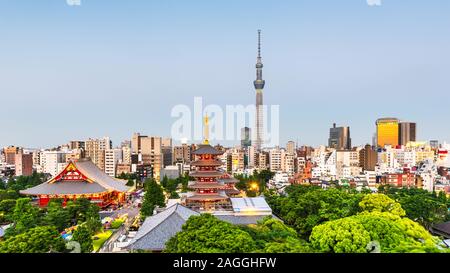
x: 158, y: 229
x: 72, y: 187
x: 207, y: 197
x: 97, y: 182
x: 203, y: 163
x: 93, y: 172
x: 442, y: 229
x: 206, y: 185
x: 228, y: 180
x: 232, y: 191
x: 206, y: 174
x: 206, y: 149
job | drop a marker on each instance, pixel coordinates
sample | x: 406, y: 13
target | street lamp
x: 254, y: 186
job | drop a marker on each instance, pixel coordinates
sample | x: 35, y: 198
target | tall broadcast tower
x: 259, y: 86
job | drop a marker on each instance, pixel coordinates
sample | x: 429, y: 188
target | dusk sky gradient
x: 114, y: 67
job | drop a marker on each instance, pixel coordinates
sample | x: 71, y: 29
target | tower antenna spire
x: 259, y: 43
x: 259, y: 86
x: 206, y: 129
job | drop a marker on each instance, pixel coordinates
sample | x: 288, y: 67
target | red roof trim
x: 70, y: 173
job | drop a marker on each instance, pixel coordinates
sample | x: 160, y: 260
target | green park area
x: 100, y: 238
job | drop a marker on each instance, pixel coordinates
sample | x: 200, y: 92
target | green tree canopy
x: 83, y: 235
x: 420, y: 205
x: 78, y: 208
x: 392, y: 232
x: 7, y: 206
x: 305, y: 207
x: 24, y: 217
x: 23, y: 182
x: 425, y: 209
x: 35, y: 240
x: 344, y: 235
x: 8, y: 195
x: 207, y: 234
x: 154, y: 196
x: 381, y: 203
x: 273, y: 236
x: 92, y: 219
x: 57, y: 215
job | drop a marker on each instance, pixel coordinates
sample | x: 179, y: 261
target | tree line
x: 315, y: 220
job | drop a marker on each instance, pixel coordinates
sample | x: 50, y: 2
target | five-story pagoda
x: 209, y: 192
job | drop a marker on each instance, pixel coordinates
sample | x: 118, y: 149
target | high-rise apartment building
x: 288, y: 163
x: 136, y: 143
x: 275, y: 160
x: 167, y: 151
x: 340, y: 138
x: 182, y: 154
x: 24, y: 164
x: 10, y: 154
x: 406, y: 132
x: 237, y: 161
x: 52, y: 162
x: 347, y: 163
x: 246, y: 140
x: 126, y: 143
x: 112, y: 158
x: 368, y: 158
x: 387, y: 132
x: 77, y: 144
x: 262, y: 161
x: 291, y: 147
x: 36, y: 157
x: 95, y: 150
x: 434, y: 144
x: 74, y: 155
x: 251, y: 157
x: 126, y: 155
x: 151, y: 151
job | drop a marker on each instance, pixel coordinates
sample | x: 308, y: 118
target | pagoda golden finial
x: 206, y: 130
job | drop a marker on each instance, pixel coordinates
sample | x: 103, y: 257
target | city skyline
x: 68, y: 76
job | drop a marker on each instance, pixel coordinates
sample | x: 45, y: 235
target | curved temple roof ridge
x: 91, y: 180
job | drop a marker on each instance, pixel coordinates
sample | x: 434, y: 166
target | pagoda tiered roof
x: 80, y: 177
x: 232, y: 191
x: 207, y: 197
x: 206, y: 149
x: 206, y: 163
x: 206, y: 174
x: 206, y: 185
x: 228, y: 180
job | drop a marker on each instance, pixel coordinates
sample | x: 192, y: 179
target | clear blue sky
x: 113, y: 67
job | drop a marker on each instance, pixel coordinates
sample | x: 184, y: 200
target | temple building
x: 213, y: 192
x: 81, y: 179
x: 212, y: 188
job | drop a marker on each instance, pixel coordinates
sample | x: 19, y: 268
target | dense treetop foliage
x: 337, y: 221
x: 305, y: 207
x: 25, y: 217
x: 207, y: 234
x: 83, y: 235
x: 154, y: 196
x: 421, y: 206
x: 247, y: 183
x: 41, y: 239
x: 390, y: 232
